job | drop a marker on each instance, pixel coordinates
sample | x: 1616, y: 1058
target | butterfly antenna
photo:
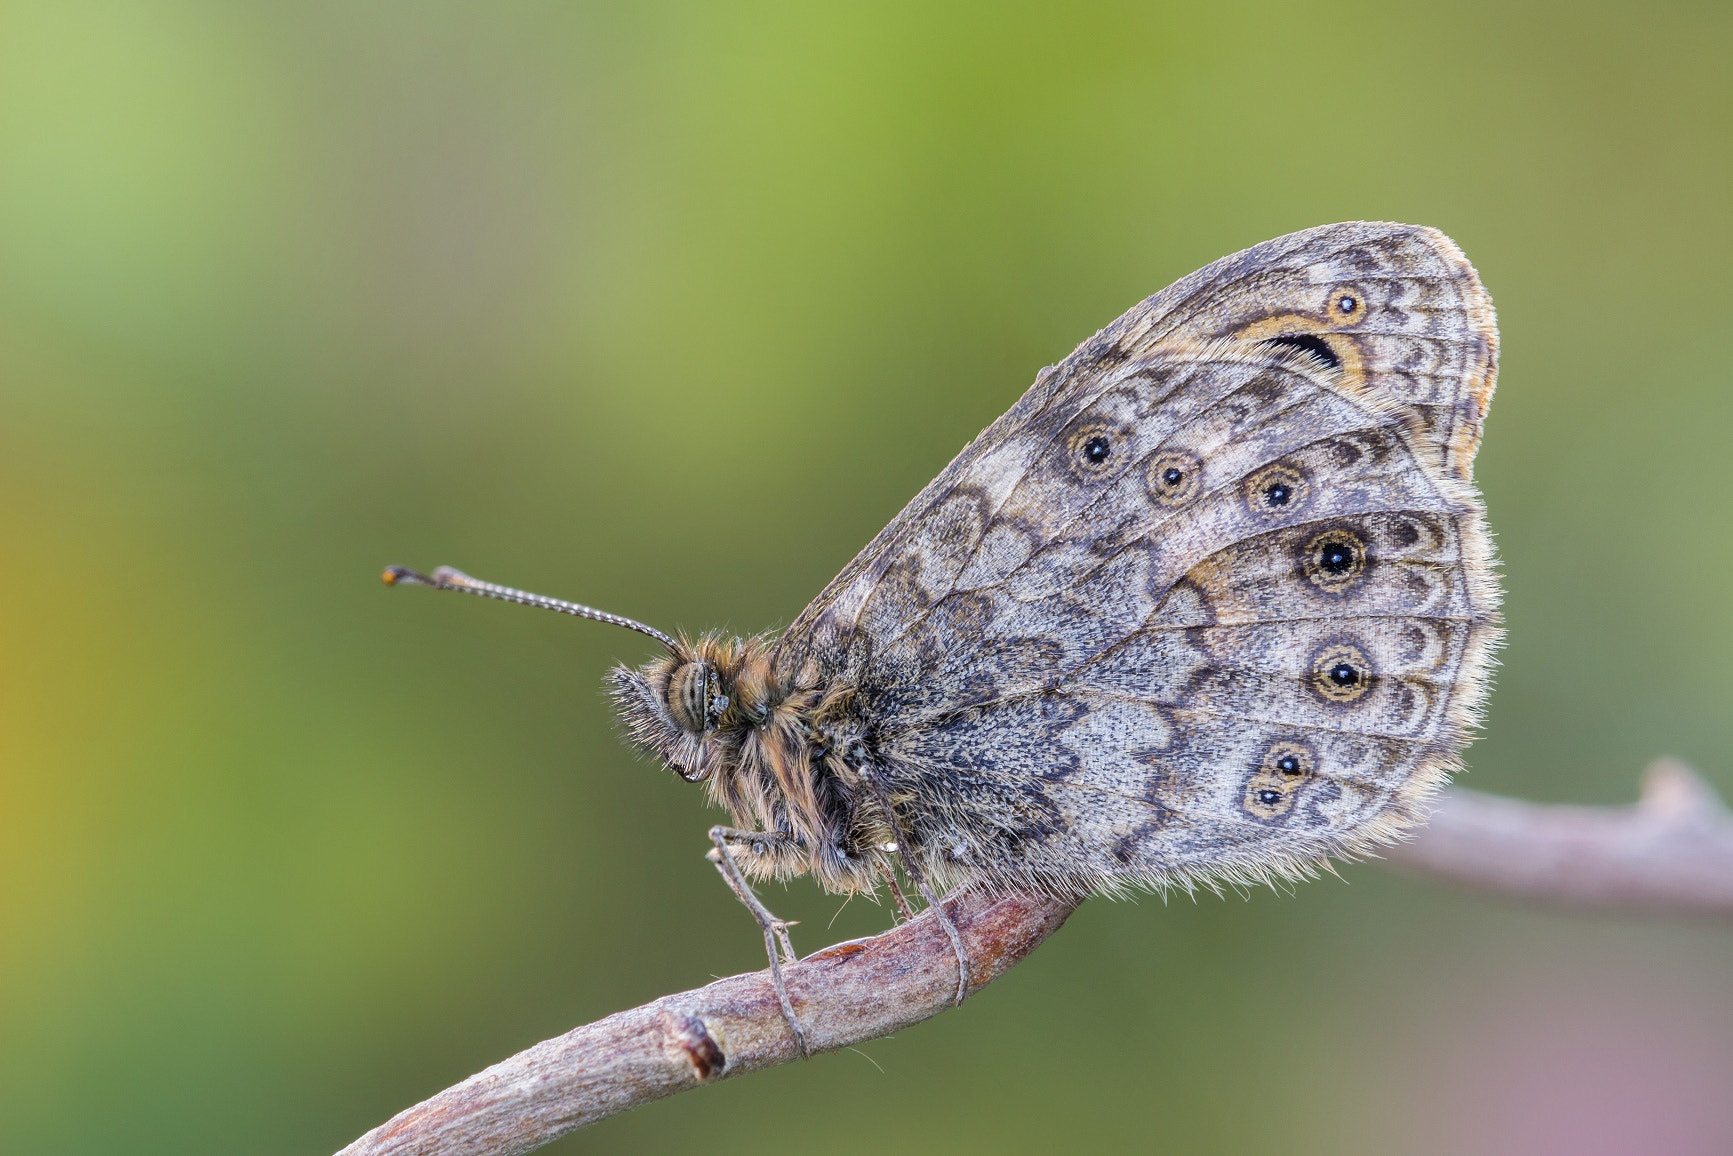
x: 445, y: 578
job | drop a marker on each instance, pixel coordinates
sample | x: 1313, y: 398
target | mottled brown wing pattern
x: 1214, y: 597
x: 1428, y: 342
x: 1397, y: 307
x: 1109, y: 678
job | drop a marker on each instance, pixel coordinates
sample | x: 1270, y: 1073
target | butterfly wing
x: 1214, y: 597
x: 1397, y: 309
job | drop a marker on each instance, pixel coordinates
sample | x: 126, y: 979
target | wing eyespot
x: 1093, y: 450
x: 1273, y: 787
x: 1173, y: 478
x: 1347, y: 305
x: 1277, y: 490
x: 1340, y: 673
x: 1334, y: 561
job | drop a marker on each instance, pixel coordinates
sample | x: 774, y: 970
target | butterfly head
x: 683, y: 705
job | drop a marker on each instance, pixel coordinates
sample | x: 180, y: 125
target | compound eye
x: 691, y: 692
x: 717, y: 704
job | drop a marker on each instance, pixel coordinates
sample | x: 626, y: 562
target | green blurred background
x: 668, y: 308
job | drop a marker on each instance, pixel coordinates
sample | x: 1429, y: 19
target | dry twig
x: 1672, y: 851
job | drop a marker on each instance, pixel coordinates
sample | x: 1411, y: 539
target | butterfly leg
x: 776, y: 941
x: 919, y: 878
x: 904, y: 911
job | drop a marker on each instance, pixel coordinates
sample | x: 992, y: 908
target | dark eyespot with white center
x: 1273, y: 787
x: 1286, y: 760
x: 1173, y: 477
x: 1341, y: 672
x: 1092, y: 450
x: 1347, y: 305
x: 1334, y: 561
x: 1278, y: 489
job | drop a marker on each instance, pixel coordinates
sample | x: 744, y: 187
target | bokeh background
x: 668, y: 307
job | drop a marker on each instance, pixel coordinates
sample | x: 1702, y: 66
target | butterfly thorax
x: 771, y: 747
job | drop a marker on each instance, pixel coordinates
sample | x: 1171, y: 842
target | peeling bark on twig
x: 1672, y: 851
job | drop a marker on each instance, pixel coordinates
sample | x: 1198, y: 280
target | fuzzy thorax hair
x: 769, y: 747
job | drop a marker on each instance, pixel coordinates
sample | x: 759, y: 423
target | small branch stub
x: 699, y: 1047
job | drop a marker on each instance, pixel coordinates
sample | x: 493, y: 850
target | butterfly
x: 1213, y: 601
